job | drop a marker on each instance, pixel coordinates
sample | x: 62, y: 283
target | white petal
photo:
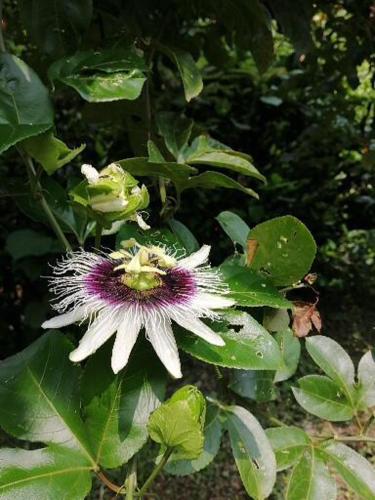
x: 212, y: 301
x: 125, y: 339
x: 98, y: 333
x: 196, y: 258
x: 115, y: 205
x: 141, y: 223
x: 91, y: 174
x: 66, y: 319
x: 159, y: 333
x: 195, y: 325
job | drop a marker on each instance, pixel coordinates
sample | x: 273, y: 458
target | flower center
x: 141, y: 281
x: 142, y: 265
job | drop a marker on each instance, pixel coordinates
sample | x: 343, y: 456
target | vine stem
x: 112, y: 486
x: 98, y: 235
x: 155, y: 472
x: 38, y: 192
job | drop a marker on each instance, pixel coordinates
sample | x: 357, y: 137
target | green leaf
x: 189, y: 72
x: 46, y: 473
x: 50, y: 152
x: 235, y: 227
x: 212, y: 438
x: 366, y: 378
x: 56, y: 27
x: 250, y: 289
x: 178, y: 423
x: 290, y: 349
x: 286, y: 249
x: 213, y: 180
x: 154, y: 154
x: 259, y: 33
x: 252, y: 452
x: 251, y: 347
x: 39, y: 396
x: 176, y: 172
x: 310, y: 479
x: 288, y: 443
x: 27, y: 242
x: 354, y: 469
x: 207, y: 151
x: 25, y: 108
x: 256, y: 385
x: 102, y: 76
x: 333, y: 360
x: 117, y: 407
x: 176, y: 131
x: 322, y: 397
x: 276, y: 320
x: 184, y: 234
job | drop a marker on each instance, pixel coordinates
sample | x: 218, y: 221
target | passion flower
x: 133, y: 288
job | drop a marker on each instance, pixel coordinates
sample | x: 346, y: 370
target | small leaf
x: 355, y: 470
x: 56, y: 28
x: 235, y: 227
x: 288, y: 443
x: 286, y: 249
x: 50, y: 152
x: 305, y: 317
x: 184, y: 234
x: 27, y: 242
x: 102, y: 76
x: 256, y: 385
x: 46, y: 473
x: 290, y: 349
x: 366, y: 378
x: 322, y: 397
x: 190, y: 74
x: 213, y: 180
x: 250, y: 289
x: 333, y: 360
x: 212, y: 438
x: 178, y: 423
x: 176, y: 131
x: 310, y: 479
x: 25, y: 108
x: 252, y: 347
x: 252, y: 452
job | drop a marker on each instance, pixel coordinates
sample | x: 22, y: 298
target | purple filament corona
x: 177, y: 287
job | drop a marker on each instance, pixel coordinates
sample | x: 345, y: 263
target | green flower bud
x: 111, y: 195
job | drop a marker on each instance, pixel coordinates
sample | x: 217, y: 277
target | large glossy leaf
x: 212, y: 438
x: 235, y: 227
x: 50, y: 152
x: 354, y: 469
x: 117, y: 407
x: 333, y: 360
x: 189, y: 72
x: 286, y: 249
x: 56, y: 27
x: 288, y: 444
x: 248, y: 288
x: 322, y: 397
x: 207, y: 151
x: 311, y: 479
x: 290, y: 349
x: 252, y: 452
x: 25, y: 108
x: 46, y: 473
x: 251, y: 347
x: 366, y: 378
x: 102, y: 76
x: 256, y: 385
x: 39, y: 396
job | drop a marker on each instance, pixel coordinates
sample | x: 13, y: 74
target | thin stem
x: 131, y: 480
x: 155, y: 472
x: 38, y: 193
x: 112, y: 486
x: 368, y: 424
x: 2, y: 44
x: 98, y: 234
x: 354, y: 439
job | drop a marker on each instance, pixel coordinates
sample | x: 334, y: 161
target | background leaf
x: 366, y: 378
x: 290, y: 349
x: 235, y: 227
x: 288, y: 443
